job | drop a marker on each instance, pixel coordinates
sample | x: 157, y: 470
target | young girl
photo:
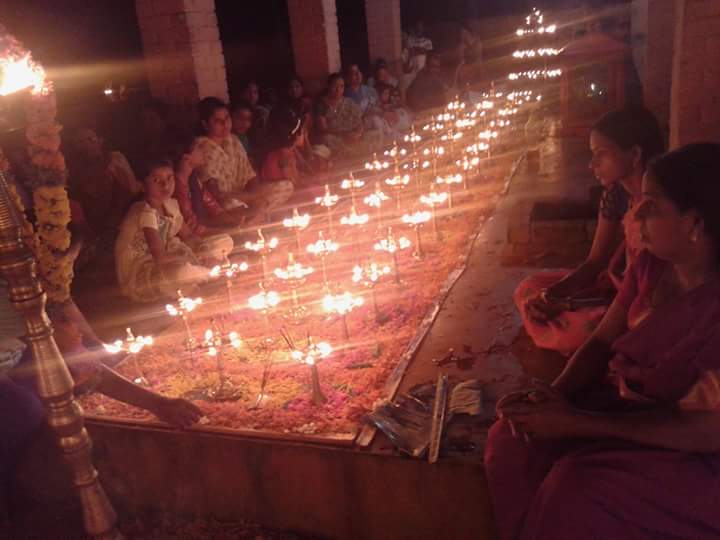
x: 156, y: 253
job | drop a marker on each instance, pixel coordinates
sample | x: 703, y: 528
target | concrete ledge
x: 311, y: 489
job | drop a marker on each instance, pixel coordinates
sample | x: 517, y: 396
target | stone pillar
x: 183, y: 52
x: 653, y: 25
x: 695, y: 102
x: 315, y: 40
x: 384, y: 30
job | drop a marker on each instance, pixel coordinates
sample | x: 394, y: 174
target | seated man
x: 227, y: 168
x: 429, y: 89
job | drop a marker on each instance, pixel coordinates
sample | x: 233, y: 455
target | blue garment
x: 364, y: 97
x: 21, y: 414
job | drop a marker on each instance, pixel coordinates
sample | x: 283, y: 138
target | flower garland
x: 45, y: 175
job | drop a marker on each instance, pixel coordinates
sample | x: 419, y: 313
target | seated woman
x: 102, y: 182
x: 228, y: 170
x: 201, y: 210
x: 338, y: 122
x: 561, y: 309
x: 297, y: 101
x: 156, y: 252
x: 626, y: 442
x: 430, y: 88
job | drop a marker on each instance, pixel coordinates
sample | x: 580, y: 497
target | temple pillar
x: 183, y: 53
x: 315, y: 40
x: 384, y: 29
x: 695, y: 104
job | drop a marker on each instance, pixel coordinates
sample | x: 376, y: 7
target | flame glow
x: 19, y: 72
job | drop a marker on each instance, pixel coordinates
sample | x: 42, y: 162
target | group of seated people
x: 168, y: 213
x: 625, y: 441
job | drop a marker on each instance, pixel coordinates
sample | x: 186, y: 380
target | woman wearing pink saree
x: 625, y: 444
x: 561, y: 309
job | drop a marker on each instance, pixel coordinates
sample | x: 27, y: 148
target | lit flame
x: 19, y: 72
x: 297, y: 221
x: 371, y: 273
x: 328, y: 199
x: 449, y: 179
x: 323, y: 246
x: 433, y: 198
x: 354, y: 218
x: 264, y: 300
x: 417, y: 218
x: 230, y: 270
x: 376, y: 198
x: 294, y: 270
x: 351, y: 184
x: 312, y: 353
x: 342, y: 303
x: 132, y: 344
x: 184, y: 305
x: 391, y: 245
x: 262, y: 244
x: 396, y: 181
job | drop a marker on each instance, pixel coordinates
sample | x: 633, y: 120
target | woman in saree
x: 338, y: 122
x: 625, y: 443
x: 561, y: 309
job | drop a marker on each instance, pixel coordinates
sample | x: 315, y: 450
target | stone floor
x: 479, y: 315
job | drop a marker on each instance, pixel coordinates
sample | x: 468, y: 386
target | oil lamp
x: 328, y: 201
x: 182, y: 308
x: 297, y: 223
x: 342, y: 304
x: 294, y: 274
x: 264, y: 248
x: 310, y: 355
x: 370, y: 275
x: 322, y: 248
x: 132, y: 345
x: 433, y: 199
x: 417, y: 220
x: 391, y: 245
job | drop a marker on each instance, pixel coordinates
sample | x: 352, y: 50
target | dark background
x: 85, y: 44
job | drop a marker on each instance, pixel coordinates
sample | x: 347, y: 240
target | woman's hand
x: 542, y: 413
x: 177, y: 412
x: 544, y: 308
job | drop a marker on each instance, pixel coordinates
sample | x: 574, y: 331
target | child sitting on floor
x: 156, y: 252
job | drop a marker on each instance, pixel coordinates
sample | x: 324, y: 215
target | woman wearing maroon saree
x: 625, y: 444
x: 561, y: 309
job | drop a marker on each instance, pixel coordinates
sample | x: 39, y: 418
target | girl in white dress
x: 156, y: 252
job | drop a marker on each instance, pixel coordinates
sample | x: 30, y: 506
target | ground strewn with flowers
x: 353, y: 377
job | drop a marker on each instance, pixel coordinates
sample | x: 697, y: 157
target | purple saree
x: 617, y: 490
